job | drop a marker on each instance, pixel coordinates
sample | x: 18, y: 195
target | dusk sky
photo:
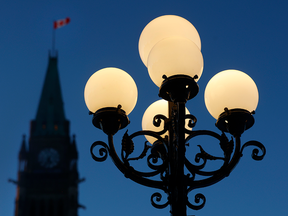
x: 248, y: 35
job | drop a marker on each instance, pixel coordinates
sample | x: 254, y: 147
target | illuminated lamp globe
x: 232, y: 89
x: 158, y: 107
x: 163, y: 27
x: 174, y: 56
x: 110, y: 87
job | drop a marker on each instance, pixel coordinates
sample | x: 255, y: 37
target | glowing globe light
x: 158, y: 107
x: 110, y: 87
x: 163, y: 27
x: 174, y: 56
x: 232, y: 89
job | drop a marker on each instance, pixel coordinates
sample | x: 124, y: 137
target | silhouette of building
x: 48, y: 179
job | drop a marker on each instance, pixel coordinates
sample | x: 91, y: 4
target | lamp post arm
x: 228, y: 166
x: 158, y: 152
x: 221, y: 173
x: 125, y: 168
x: 129, y: 171
x: 224, y: 143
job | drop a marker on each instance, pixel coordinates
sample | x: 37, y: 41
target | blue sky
x: 246, y: 35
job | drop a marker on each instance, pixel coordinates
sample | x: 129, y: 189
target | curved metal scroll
x: 103, y: 151
x: 157, y: 120
x: 191, y: 124
x: 154, y: 155
x: 198, y: 198
x: 255, y: 153
x: 157, y: 196
x: 224, y: 143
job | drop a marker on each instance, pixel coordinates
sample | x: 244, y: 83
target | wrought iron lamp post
x: 170, y: 48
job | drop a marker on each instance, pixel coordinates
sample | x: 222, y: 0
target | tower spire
x: 50, y: 118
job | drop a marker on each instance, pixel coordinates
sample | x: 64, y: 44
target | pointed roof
x: 50, y: 117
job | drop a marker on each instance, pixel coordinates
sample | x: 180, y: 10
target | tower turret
x: 23, y: 155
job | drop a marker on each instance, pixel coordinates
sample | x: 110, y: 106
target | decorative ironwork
x: 157, y: 196
x: 159, y: 151
x: 103, y: 151
x: 198, y: 198
x: 169, y: 168
x: 255, y: 152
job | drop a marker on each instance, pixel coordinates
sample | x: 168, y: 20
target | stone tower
x: 48, y: 178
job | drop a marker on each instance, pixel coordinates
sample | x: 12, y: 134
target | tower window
x: 44, y: 125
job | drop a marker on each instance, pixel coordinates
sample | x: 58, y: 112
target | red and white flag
x: 60, y: 23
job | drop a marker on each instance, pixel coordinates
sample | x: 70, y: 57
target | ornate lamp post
x: 170, y: 48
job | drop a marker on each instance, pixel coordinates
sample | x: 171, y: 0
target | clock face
x: 48, y: 158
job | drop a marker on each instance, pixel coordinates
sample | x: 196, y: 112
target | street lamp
x: 169, y: 46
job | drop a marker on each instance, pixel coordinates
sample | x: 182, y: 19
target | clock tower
x: 48, y: 178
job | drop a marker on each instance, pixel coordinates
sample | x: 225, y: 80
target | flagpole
x: 57, y: 24
x: 53, y: 40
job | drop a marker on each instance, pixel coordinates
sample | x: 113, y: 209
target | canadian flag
x: 60, y: 23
